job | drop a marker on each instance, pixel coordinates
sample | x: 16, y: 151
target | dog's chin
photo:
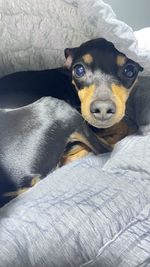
x: 103, y: 124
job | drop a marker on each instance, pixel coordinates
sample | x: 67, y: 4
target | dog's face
x: 103, y: 78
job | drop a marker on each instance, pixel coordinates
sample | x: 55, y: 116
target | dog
x: 104, y: 79
x: 35, y: 139
x: 96, y: 80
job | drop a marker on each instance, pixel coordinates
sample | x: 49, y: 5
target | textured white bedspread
x: 93, y: 212
x: 34, y: 33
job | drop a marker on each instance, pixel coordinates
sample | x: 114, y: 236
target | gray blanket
x: 93, y: 212
x: 34, y: 33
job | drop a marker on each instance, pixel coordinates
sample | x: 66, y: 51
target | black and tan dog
x: 34, y: 139
x: 103, y: 78
x: 97, y: 79
x: 102, y: 75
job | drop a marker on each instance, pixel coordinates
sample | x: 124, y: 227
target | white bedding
x: 34, y: 33
x: 93, y: 212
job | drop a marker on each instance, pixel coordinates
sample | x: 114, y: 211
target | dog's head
x: 103, y: 78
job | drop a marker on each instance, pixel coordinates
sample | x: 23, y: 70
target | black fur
x: 138, y: 104
x: 33, y: 139
x: 22, y: 88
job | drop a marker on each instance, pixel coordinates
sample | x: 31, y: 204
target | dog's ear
x: 140, y: 67
x: 69, y: 55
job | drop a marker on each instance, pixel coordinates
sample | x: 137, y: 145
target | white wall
x: 135, y: 13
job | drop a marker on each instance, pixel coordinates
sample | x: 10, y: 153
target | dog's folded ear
x: 140, y: 68
x: 69, y: 55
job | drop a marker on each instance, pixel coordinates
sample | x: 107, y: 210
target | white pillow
x: 143, y: 37
x: 35, y: 33
x: 131, y: 155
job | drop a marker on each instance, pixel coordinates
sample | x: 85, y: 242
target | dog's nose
x: 102, y: 110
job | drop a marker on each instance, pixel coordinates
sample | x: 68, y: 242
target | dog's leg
x: 27, y: 184
x: 81, y: 143
x: 76, y: 152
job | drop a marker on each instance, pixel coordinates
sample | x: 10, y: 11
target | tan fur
x: 121, y: 60
x: 34, y: 181
x: 88, y: 59
x: 16, y: 193
x: 120, y: 96
x: 77, y: 137
x: 77, y: 152
x: 85, y: 96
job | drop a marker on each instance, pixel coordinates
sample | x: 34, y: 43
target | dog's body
x: 34, y: 139
x: 137, y: 115
x: 100, y: 94
x: 97, y: 78
x: 23, y: 88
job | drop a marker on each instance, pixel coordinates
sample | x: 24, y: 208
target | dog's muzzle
x: 102, y: 110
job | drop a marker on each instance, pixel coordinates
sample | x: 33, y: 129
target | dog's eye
x: 79, y: 70
x: 129, y: 71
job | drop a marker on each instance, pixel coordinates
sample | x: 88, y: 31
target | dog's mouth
x: 101, y: 123
x: 103, y: 113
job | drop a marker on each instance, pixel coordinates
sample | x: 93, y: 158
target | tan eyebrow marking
x: 88, y: 59
x: 121, y: 60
